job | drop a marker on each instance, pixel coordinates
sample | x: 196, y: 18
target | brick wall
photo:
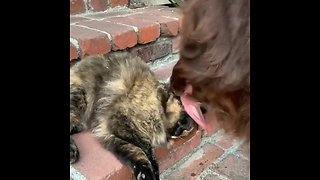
x: 87, y: 6
x: 150, y: 33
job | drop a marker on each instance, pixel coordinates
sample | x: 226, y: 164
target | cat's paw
x: 74, y: 152
x: 144, y: 172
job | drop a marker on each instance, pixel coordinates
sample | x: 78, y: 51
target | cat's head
x: 177, y: 122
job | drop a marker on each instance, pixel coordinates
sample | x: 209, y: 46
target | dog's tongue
x: 193, y: 109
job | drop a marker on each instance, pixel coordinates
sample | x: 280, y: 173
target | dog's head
x: 215, y: 60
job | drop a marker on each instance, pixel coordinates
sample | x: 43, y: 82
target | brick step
x: 218, y: 157
x: 100, y: 164
x: 147, y: 32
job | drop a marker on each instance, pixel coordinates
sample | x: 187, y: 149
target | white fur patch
x: 141, y: 176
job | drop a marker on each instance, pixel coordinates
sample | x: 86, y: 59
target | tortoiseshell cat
x: 120, y: 101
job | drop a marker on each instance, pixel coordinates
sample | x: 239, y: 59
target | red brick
x: 176, y: 44
x: 73, y: 52
x: 99, y: 5
x: 77, y: 6
x: 115, y: 3
x: 180, y: 149
x: 170, y: 13
x: 195, y: 165
x: 234, y: 168
x: 226, y: 141
x: 152, y: 51
x: 122, y: 36
x: 168, y: 26
x: 97, y: 163
x: 148, y: 31
x: 163, y: 73
x: 91, y: 42
x: 77, y: 19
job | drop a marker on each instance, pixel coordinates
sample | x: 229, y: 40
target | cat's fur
x: 120, y: 101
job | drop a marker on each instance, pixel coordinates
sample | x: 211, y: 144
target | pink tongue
x: 193, y: 109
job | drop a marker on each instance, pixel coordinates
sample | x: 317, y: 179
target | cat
x: 119, y: 100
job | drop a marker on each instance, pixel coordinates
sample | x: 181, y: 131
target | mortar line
x: 109, y: 36
x: 216, y: 163
x: 76, y: 175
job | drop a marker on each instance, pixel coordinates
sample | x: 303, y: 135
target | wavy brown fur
x: 215, y: 59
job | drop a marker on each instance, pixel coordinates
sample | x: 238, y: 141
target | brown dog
x: 215, y: 60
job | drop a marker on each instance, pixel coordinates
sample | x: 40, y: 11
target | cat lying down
x: 120, y: 101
